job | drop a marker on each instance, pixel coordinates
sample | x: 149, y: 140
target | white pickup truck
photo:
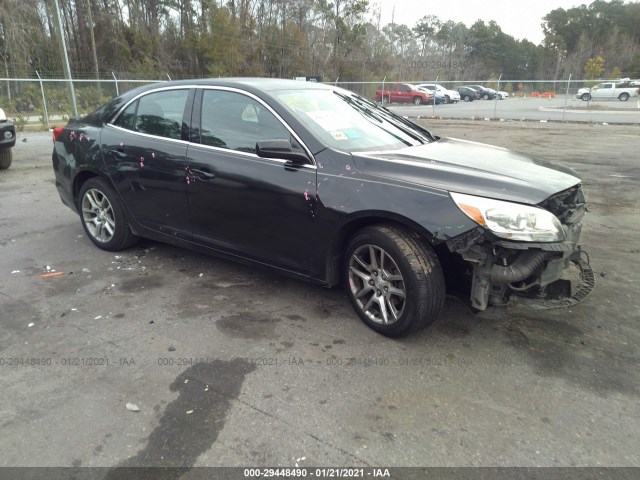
x: 609, y: 91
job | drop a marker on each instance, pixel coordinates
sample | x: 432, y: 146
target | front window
x: 237, y: 122
x: 350, y: 123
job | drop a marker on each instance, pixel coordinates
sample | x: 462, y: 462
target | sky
x: 518, y: 18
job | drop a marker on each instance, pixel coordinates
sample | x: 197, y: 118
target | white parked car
x: 608, y: 91
x: 502, y: 94
x: 450, y: 96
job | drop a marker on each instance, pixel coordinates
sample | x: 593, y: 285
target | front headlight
x: 512, y: 221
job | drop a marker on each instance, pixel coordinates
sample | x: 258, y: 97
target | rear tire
x: 624, y: 96
x: 586, y: 97
x: 486, y: 96
x: 103, y: 217
x: 447, y: 99
x: 467, y: 98
x: 6, y: 157
x: 417, y: 101
x: 394, y: 280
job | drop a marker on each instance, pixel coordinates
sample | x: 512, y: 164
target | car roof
x: 254, y: 85
x: 257, y: 83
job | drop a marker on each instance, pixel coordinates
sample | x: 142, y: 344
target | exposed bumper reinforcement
x: 584, y: 288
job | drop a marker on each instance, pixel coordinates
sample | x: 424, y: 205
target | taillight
x: 56, y: 133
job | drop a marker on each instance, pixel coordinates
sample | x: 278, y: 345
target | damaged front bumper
x: 540, y: 275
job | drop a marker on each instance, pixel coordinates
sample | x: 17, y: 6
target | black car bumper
x: 539, y: 275
x: 7, y: 134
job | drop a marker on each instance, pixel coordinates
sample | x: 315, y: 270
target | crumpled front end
x: 541, y: 275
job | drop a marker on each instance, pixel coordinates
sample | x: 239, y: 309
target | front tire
x: 417, y: 101
x: 447, y: 99
x: 103, y: 217
x: 586, y: 97
x: 486, y: 96
x: 394, y: 280
x: 6, y: 157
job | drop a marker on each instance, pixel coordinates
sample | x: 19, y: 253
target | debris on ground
x: 52, y: 274
x: 132, y: 407
x: 189, y: 412
x: 172, y: 349
x: 30, y: 325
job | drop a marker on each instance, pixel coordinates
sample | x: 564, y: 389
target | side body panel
x: 149, y: 174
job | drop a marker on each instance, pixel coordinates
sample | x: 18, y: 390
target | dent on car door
x: 145, y: 153
x: 258, y: 208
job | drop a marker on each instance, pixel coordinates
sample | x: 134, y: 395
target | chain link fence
x: 44, y: 102
x: 47, y: 101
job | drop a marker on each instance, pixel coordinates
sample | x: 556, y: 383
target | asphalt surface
x: 235, y: 366
x: 539, y: 109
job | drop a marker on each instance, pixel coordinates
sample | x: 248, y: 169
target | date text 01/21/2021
x: 326, y: 472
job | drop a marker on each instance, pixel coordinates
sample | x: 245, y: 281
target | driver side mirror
x: 280, y: 149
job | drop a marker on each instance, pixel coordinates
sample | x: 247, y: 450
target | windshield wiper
x: 398, y: 118
x: 378, y: 118
x: 422, y: 135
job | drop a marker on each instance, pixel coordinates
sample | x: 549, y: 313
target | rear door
x: 405, y: 94
x: 257, y: 208
x: 604, y: 91
x: 145, y: 153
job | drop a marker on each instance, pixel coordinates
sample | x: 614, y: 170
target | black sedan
x: 468, y: 94
x: 485, y: 93
x: 319, y: 183
x: 7, y: 140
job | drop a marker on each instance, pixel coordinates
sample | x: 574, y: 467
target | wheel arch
x: 81, y: 178
x: 355, y: 223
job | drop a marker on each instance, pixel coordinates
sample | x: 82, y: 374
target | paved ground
x: 532, y: 109
x: 230, y: 365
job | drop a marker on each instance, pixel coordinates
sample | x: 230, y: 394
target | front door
x: 258, y: 208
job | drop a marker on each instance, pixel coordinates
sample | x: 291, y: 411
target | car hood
x: 469, y: 167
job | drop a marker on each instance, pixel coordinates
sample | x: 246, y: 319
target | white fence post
x: 495, y: 105
x: 566, y: 97
x: 116, y: 80
x: 44, y: 101
x: 434, y: 96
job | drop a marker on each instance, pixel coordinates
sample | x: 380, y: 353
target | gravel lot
x: 235, y: 366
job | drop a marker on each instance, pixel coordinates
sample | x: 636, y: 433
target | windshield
x: 351, y: 123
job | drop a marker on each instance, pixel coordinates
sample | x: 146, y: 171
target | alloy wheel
x: 98, y: 216
x: 377, y: 284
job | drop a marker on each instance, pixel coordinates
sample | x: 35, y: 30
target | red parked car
x: 403, y: 93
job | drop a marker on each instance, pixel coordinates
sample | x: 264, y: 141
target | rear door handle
x: 118, y: 154
x: 203, y: 175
